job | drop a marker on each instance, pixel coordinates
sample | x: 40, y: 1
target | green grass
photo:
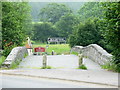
x: 82, y: 67
x: 75, y: 53
x: 47, y: 67
x: 111, y: 67
x: 2, y: 59
x: 58, y: 48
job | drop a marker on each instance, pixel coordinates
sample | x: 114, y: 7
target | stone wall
x: 15, y: 55
x: 94, y: 52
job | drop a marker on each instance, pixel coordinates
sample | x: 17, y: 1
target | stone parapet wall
x: 15, y: 55
x: 94, y: 52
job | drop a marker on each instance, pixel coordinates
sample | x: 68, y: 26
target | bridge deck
x: 57, y: 61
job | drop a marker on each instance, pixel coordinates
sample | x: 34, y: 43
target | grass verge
x: 75, y: 53
x: 82, y: 67
x: 111, y: 67
x: 47, y: 67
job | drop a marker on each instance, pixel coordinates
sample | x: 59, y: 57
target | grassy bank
x: 58, y: 48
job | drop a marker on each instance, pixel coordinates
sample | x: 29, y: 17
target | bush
x: 7, y: 50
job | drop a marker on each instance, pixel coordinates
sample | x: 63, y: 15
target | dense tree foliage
x: 53, y: 12
x: 91, y: 9
x: 95, y: 10
x: 105, y: 30
x: 88, y: 29
x: 36, y: 6
x: 0, y: 25
x: 112, y: 32
x: 85, y: 34
x: 43, y: 30
x: 65, y: 25
x: 15, y: 24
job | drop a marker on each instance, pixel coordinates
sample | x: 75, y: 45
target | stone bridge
x: 93, y: 52
x: 16, y: 55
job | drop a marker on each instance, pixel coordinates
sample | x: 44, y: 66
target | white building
x: 56, y: 40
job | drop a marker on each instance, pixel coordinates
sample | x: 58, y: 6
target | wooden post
x: 45, y: 61
x: 80, y: 59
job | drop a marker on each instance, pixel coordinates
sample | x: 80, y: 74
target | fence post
x: 44, y: 61
x: 80, y: 59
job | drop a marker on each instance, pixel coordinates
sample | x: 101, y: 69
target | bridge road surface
x: 9, y: 81
x: 56, y: 61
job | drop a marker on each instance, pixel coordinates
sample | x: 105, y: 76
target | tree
x: 95, y: 10
x: 65, y: 25
x: 91, y: 9
x: 53, y: 12
x: 112, y: 32
x: 0, y: 25
x: 44, y: 30
x: 84, y: 34
x: 15, y: 21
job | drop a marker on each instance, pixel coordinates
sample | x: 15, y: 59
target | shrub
x: 7, y: 50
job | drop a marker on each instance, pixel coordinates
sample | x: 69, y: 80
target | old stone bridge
x: 93, y: 52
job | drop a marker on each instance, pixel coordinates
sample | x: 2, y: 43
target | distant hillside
x: 36, y: 6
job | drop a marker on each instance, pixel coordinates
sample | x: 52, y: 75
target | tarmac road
x: 56, y: 61
x: 9, y: 81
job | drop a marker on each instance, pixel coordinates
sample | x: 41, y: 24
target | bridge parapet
x: 94, y: 52
x: 15, y: 55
